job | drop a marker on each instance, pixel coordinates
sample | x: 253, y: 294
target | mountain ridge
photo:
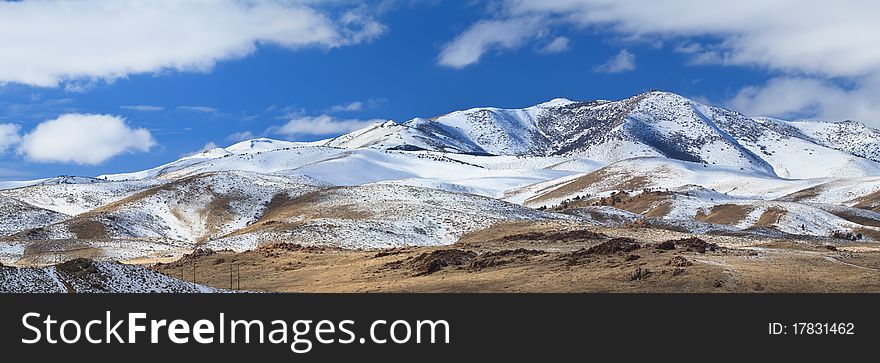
x: 654, y: 123
x: 676, y: 162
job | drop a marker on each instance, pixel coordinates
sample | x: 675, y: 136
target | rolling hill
x: 656, y: 157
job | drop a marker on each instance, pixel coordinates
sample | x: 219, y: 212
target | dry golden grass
x: 540, y: 260
x: 599, y: 176
x: 869, y: 202
x: 724, y: 214
x: 770, y: 217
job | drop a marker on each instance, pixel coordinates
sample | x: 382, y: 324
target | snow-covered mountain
x: 668, y: 160
x: 652, y: 124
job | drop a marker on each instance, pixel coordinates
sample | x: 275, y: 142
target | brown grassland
x: 550, y: 257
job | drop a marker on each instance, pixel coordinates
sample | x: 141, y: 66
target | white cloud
x: 489, y: 35
x: 48, y: 42
x: 199, y: 109
x: 809, y: 41
x: 817, y: 38
x: 348, y: 107
x: 208, y: 146
x: 144, y: 108
x: 558, y: 44
x: 9, y: 136
x: 621, y: 62
x: 321, y: 125
x: 241, y: 136
x: 83, y: 139
x: 797, y: 97
x: 689, y: 48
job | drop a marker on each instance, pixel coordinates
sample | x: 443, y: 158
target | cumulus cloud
x: 48, y: 42
x: 486, y: 36
x: 9, y: 136
x: 621, y: 62
x: 83, y: 139
x: 799, y: 97
x: 821, y: 39
x: 817, y: 38
x: 816, y: 43
x: 321, y: 125
x: 348, y: 107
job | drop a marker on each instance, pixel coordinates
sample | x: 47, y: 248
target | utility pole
x: 194, y: 272
x: 230, y: 275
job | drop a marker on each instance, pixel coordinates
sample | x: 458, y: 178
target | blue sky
x: 387, y: 60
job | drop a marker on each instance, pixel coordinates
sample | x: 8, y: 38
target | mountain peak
x: 658, y: 94
x: 257, y: 145
x: 556, y: 102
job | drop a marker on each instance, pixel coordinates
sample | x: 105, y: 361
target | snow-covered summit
x: 651, y: 124
x: 258, y: 145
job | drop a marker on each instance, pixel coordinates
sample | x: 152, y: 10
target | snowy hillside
x: 660, y: 174
x: 849, y: 136
x: 655, y: 158
x: 84, y: 276
x: 191, y: 209
x: 75, y: 198
x: 16, y: 216
x: 377, y: 216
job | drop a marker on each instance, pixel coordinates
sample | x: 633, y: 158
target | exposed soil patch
x: 88, y: 229
x: 625, y: 182
x: 555, y: 236
x: 852, y: 217
x: 612, y: 246
x: 804, y: 194
x: 78, y: 268
x: 431, y: 262
x: 309, y: 206
x: 189, y: 258
x: 292, y: 247
x: 391, y: 252
x: 678, y: 271
x: 770, y: 217
x: 650, y: 203
x: 500, y: 258
x: 665, y: 245
x: 640, y: 274
x: 870, y: 233
x: 724, y: 214
x: 658, y: 210
x: 216, y: 215
x: 695, y: 244
x: 679, y: 261
x: 869, y: 202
